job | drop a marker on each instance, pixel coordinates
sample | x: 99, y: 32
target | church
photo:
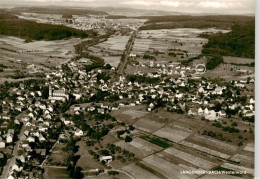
x: 59, y: 95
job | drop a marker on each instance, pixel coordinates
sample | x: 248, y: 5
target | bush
x: 113, y: 173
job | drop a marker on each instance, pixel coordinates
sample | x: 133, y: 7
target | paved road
x: 11, y: 161
x: 123, y: 64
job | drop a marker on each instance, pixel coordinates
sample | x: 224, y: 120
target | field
x: 148, y: 125
x: 180, y: 40
x: 167, y: 143
x: 86, y: 160
x: 147, y: 148
x: 114, y: 45
x: 139, y: 172
x: 164, y: 167
x: 172, y: 134
x: 52, y: 173
x: 238, y: 60
x: 166, y: 46
x: 230, y: 72
x: 112, y: 60
x: 129, y: 114
x: 34, y: 57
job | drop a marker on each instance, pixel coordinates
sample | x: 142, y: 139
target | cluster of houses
x: 174, y: 90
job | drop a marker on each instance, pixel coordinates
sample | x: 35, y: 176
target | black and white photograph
x: 128, y: 89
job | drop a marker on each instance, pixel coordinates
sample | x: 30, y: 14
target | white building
x: 59, y: 95
x: 107, y: 159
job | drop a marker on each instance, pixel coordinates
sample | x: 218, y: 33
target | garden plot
x: 138, y: 172
x: 139, y: 147
x: 148, y: 125
x: 250, y: 147
x: 164, y: 167
x: 192, y: 159
x: 205, y: 149
x: 238, y: 168
x: 172, y: 134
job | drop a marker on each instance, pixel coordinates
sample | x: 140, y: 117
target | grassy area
x: 150, y: 170
x: 160, y: 142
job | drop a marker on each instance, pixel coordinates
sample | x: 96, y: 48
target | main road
x: 127, y: 52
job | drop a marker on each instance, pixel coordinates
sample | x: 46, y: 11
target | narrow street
x: 11, y: 161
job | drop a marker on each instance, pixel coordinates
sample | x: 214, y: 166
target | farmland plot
x: 113, y: 60
x: 139, y: 173
x: 139, y: 147
x: 205, y: 149
x: 148, y: 125
x: 166, y: 168
x: 135, y: 113
x: 114, y: 43
x: 172, y: 134
x: 194, y: 160
x: 215, y: 143
x: 243, y: 158
x: 238, y: 168
x: 250, y: 147
x: 129, y: 115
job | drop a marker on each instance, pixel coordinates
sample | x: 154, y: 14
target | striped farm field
x: 166, y: 168
x: 148, y: 125
x: 141, y: 148
x: 243, y: 158
x: 194, y: 160
x: 174, y: 135
x: 139, y: 172
x: 238, y: 168
x: 215, y: 143
x: 250, y: 147
x: 205, y: 149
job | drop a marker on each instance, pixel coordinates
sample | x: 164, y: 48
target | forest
x: 240, y: 42
x: 58, y: 10
x: 11, y: 25
x: 170, y: 22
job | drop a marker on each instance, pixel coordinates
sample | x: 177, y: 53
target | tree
x: 128, y: 139
x: 45, y: 92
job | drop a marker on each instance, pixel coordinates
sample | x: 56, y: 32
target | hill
x: 12, y: 26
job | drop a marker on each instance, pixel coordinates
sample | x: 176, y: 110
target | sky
x: 185, y: 6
